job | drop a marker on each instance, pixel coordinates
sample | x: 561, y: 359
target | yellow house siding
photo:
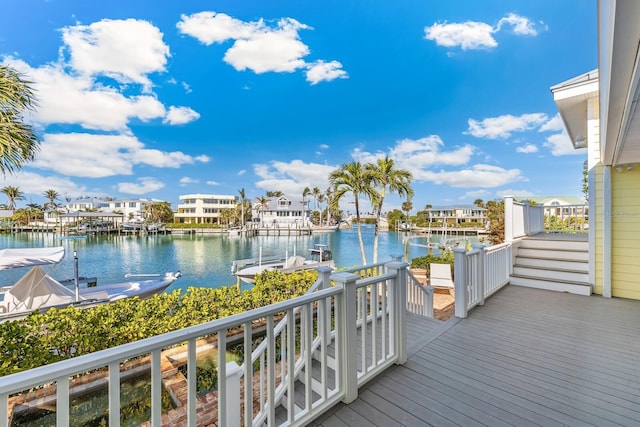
x: 625, y: 233
x: 595, y: 221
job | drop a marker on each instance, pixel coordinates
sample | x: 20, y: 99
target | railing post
x: 482, y: 271
x: 508, y: 218
x: 324, y: 275
x: 460, y: 281
x: 400, y: 308
x: 234, y: 372
x: 348, y: 335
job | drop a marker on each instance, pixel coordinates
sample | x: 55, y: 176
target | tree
x: 13, y: 194
x: 315, y: 192
x: 355, y: 179
x: 51, y: 196
x: 305, y: 193
x: 159, y: 212
x: 328, y: 194
x: 18, y: 141
x: 495, y: 213
x: 275, y: 193
x: 385, y: 175
x: 407, y: 207
x: 242, y: 200
x: 479, y: 203
x: 262, y: 203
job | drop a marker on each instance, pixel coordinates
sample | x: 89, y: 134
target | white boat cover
x: 35, y: 290
x: 26, y: 257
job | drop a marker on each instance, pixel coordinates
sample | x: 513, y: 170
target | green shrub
x: 424, y: 261
x: 58, y: 334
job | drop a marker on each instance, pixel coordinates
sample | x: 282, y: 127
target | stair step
x: 577, y: 245
x: 554, y: 254
x: 576, y: 287
x: 556, y: 274
x: 552, y: 263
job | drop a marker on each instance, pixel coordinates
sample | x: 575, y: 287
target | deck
x: 527, y: 357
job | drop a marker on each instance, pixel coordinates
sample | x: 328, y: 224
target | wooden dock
x: 527, y: 357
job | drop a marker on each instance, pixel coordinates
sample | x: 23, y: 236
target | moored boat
x: 247, y: 269
x: 37, y: 290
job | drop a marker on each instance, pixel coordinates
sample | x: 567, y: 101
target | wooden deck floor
x: 527, y: 357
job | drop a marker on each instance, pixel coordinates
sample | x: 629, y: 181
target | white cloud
x: 125, y: 50
x: 517, y: 193
x: 473, y: 35
x: 143, y: 186
x: 321, y: 71
x: 504, y: 126
x: 180, y: 115
x: 421, y: 156
x: 97, y: 156
x: 36, y: 184
x: 560, y: 145
x: 418, y: 155
x: 213, y: 183
x: 521, y: 25
x: 475, y: 194
x: 259, y: 47
x: 553, y: 125
x: 185, y: 180
x: 478, y: 176
x: 292, y: 177
x: 67, y: 99
x: 242, y: 172
x: 527, y: 148
x: 466, y: 35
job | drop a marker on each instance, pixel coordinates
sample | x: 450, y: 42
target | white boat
x: 324, y: 228
x: 37, y: 290
x: 247, y: 269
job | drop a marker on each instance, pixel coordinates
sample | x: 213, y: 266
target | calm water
x: 205, y: 261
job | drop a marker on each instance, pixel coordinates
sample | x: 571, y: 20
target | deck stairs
x: 553, y: 262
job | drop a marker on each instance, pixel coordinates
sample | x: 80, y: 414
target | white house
x: 282, y: 212
x: 203, y: 208
x: 456, y: 215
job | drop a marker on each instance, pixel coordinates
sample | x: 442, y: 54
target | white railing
x: 523, y: 219
x: 305, y: 362
x: 419, y: 297
x: 479, y: 273
x: 566, y: 218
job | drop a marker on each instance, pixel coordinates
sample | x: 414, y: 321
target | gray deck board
x: 527, y: 357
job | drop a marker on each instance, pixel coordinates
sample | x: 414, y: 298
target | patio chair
x: 440, y: 276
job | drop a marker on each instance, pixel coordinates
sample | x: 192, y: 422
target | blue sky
x: 154, y: 99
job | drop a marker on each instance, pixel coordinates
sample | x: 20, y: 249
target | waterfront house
x: 457, y: 215
x: 283, y: 212
x: 203, y: 208
x: 511, y: 356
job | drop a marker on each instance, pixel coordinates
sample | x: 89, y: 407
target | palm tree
x: 305, y: 193
x: 328, y: 194
x: 406, y: 207
x: 52, y: 196
x: 242, y: 200
x: 479, y: 203
x: 13, y: 194
x: 18, y: 141
x: 386, y: 175
x: 262, y: 203
x: 316, y: 195
x: 355, y: 179
x: 275, y: 193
